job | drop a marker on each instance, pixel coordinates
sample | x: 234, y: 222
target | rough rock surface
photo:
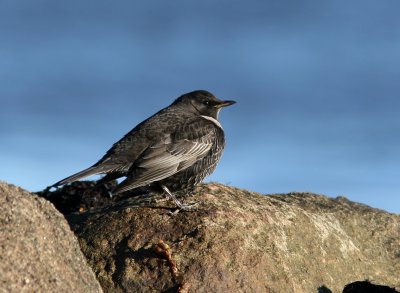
x: 239, y: 241
x: 38, y: 251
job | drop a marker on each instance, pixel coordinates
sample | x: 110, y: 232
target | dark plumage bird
x: 173, y: 150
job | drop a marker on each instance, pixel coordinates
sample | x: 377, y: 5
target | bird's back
x: 128, y: 149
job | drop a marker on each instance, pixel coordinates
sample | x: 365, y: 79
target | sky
x: 317, y: 87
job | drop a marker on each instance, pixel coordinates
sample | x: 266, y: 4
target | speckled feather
x: 177, y: 147
x: 185, y: 171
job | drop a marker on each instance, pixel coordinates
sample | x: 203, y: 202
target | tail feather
x: 82, y: 174
x: 109, y: 177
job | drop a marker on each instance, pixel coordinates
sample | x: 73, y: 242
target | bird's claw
x: 185, y: 208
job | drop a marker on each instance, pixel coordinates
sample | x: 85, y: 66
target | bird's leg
x: 109, y: 191
x: 171, y: 196
x: 180, y: 205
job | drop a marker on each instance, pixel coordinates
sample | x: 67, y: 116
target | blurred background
x: 317, y: 85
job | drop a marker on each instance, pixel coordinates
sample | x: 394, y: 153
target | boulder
x: 240, y: 241
x: 38, y: 250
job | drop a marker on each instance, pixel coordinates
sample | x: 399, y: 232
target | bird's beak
x: 224, y: 104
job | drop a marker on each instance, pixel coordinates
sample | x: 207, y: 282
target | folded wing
x: 165, y: 158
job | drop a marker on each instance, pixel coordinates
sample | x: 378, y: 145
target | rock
x: 367, y: 287
x: 79, y: 196
x: 39, y: 252
x: 238, y: 241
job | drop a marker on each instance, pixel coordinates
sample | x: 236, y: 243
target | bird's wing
x: 167, y: 157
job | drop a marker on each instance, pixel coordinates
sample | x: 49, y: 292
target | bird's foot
x: 191, y: 207
x: 179, y: 204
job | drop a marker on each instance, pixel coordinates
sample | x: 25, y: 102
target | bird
x: 171, y: 151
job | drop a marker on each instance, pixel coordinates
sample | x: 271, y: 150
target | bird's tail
x: 82, y: 174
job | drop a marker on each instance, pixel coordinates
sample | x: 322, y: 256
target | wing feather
x: 167, y: 157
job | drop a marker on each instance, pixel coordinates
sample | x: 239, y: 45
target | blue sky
x: 317, y: 85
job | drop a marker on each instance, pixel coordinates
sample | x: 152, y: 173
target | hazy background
x: 317, y: 85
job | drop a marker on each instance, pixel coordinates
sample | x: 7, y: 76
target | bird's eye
x: 206, y: 103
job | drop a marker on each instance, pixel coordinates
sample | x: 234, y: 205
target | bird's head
x: 202, y: 103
